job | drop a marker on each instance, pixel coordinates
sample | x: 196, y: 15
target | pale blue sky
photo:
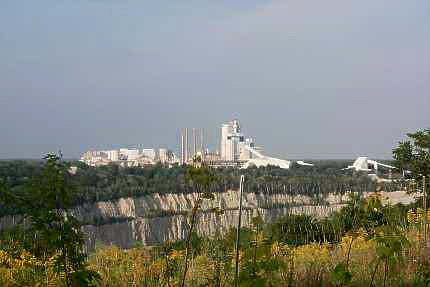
x: 307, y: 79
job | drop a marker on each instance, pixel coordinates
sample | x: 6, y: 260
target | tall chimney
x: 194, y: 142
x: 186, y: 145
x: 202, y: 143
x: 182, y: 147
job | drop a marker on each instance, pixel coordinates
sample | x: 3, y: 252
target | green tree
x: 48, y: 230
x: 413, y: 156
x: 201, y: 178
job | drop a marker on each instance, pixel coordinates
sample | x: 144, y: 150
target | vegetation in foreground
x: 365, y: 244
x: 381, y: 257
x: 376, y: 250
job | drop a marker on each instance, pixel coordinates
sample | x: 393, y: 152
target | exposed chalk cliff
x: 158, y: 218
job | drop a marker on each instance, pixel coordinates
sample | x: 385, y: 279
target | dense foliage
x: 113, y: 182
x: 385, y: 246
x: 413, y: 155
x: 374, y: 246
x: 47, y: 238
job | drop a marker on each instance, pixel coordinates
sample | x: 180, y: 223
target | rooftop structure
x: 129, y: 157
x: 261, y: 160
x: 233, y: 143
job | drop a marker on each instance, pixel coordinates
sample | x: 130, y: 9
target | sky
x: 306, y: 79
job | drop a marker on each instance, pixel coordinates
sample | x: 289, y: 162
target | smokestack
x: 194, y: 142
x: 186, y: 145
x: 201, y: 143
x: 182, y: 147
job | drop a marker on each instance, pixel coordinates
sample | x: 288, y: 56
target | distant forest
x: 112, y: 182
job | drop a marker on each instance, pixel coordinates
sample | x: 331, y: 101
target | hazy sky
x: 307, y: 79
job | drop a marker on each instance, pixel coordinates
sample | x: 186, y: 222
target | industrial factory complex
x: 129, y: 157
x: 235, y: 149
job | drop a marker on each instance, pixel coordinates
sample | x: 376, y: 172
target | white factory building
x: 149, y: 153
x: 233, y: 145
x: 129, y: 157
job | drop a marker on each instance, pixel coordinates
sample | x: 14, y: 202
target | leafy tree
x: 258, y: 264
x: 201, y: 177
x: 413, y: 156
x: 48, y: 232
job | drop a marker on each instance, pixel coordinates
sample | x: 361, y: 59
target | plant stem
x: 187, y: 251
x: 385, y: 271
x: 374, y: 273
x: 167, y: 267
x: 349, y: 252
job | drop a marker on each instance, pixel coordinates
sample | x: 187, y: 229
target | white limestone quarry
x: 157, y: 218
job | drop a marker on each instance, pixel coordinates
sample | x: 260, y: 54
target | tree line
x: 112, y: 182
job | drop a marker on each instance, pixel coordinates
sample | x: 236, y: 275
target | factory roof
x: 267, y: 161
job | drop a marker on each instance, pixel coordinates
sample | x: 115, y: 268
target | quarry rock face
x: 156, y: 218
